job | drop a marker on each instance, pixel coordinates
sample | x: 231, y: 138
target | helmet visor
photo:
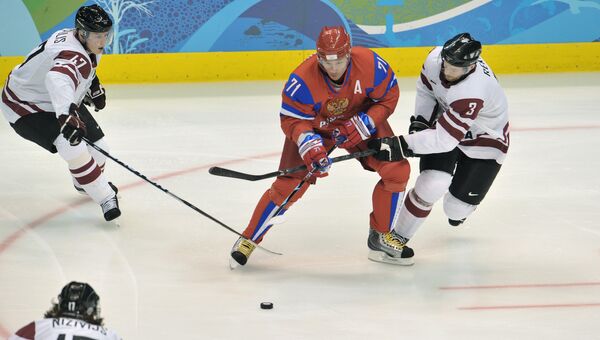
x: 106, y: 37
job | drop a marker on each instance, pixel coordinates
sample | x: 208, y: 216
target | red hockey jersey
x: 311, y: 103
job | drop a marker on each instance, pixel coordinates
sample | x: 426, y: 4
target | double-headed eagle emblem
x: 338, y: 106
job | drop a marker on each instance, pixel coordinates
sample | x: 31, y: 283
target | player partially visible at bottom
x: 76, y: 315
x: 344, y: 96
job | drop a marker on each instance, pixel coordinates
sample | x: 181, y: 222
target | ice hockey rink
x: 525, y: 265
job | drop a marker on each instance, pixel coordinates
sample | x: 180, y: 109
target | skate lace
x: 394, y: 241
x: 246, y: 248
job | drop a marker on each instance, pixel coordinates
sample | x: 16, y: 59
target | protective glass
x: 454, y: 72
x: 94, y: 37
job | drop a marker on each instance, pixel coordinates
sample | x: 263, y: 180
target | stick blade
x: 218, y: 171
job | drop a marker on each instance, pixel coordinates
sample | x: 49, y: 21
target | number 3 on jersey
x: 472, y: 107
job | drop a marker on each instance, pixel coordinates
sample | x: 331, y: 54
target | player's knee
x: 394, y: 175
x: 282, y: 187
x: 79, y: 161
x: 456, y: 209
x: 98, y: 156
x: 71, y: 153
x: 432, y: 184
x: 418, y: 200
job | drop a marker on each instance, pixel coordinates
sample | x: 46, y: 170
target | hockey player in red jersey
x: 76, y: 315
x: 460, y: 130
x: 342, y: 95
x: 42, y: 99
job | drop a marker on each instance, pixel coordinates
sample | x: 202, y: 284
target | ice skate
x: 240, y: 252
x: 81, y: 191
x: 389, y: 248
x: 110, y: 208
x: 456, y: 223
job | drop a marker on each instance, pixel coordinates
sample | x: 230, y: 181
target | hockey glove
x: 359, y: 128
x: 418, y: 124
x: 314, y: 155
x: 71, y: 127
x: 95, y: 96
x: 390, y: 149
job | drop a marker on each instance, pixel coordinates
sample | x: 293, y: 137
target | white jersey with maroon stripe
x: 55, y: 74
x: 471, y: 114
x: 63, y: 329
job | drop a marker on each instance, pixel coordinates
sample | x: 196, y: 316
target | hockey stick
x: 174, y: 196
x: 218, y: 171
x: 276, y: 219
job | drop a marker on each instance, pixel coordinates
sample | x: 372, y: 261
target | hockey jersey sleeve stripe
x: 426, y: 82
x: 66, y: 71
x: 14, y: 98
x: 487, y: 142
x: 452, y: 118
x: 27, y: 332
x: 18, y: 109
x: 288, y: 110
x: 454, y: 132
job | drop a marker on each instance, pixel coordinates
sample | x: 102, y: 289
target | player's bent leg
x: 430, y: 186
x: 388, y: 194
x: 456, y: 210
x: 265, y: 210
x: 383, y: 242
x: 88, y: 176
x: 472, y: 180
x: 97, y: 155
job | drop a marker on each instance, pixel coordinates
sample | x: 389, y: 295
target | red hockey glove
x: 313, y: 153
x: 359, y: 128
x: 71, y: 127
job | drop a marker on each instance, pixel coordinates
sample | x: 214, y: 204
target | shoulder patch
x: 80, y: 61
x: 297, y: 90
x: 27, y: 332
x: 467, y: 107
x: 381, y: 69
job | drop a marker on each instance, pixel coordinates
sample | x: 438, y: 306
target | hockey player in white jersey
x: 42, y: 99
x: 76, y: 315
x: 459, y: 130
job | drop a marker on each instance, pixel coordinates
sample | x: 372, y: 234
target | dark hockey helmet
x: 78, y: 300
x: 462, y: 50
x: 333, y: 43
x: 93, y: 19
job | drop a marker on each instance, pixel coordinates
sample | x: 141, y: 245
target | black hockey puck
x: 266, y: 305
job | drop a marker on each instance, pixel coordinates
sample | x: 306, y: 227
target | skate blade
x: 233, y: 263
x: 379, y: 256
x: 115, y: 222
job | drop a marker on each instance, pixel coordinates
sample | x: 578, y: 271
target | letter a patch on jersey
x: 357, y: 88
